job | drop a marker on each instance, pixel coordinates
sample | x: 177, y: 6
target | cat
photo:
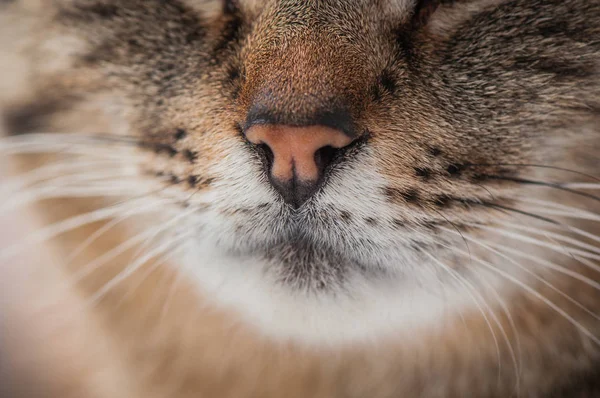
x: 300, y: 198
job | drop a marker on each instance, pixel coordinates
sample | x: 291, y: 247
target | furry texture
x: 452, y: 250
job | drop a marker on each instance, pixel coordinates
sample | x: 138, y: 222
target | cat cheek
x: 423, y: 11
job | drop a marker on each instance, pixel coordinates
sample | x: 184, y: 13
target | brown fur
x: 466, y: 83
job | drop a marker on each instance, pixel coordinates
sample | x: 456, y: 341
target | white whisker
x: 551, y: 208
x: 122, y: 189
x: 152, y: 267
x: 559, y: 237
x: 58, y: 142
x: 560, y: 213
x: 505, y: 309
x: 545, y: 263
x: 582, y: 185
x: 536, y: 294
x: 170, y: 294
x: 52, y: 171
x: 156, y: 263
x: 572, y: 212
x: 88, y: 151
x: 74, y: 179
x: 537, y: 242
x: 547, y: 203
x: 70, y: 224
x: 133, y: 267
x: 105, y: 228
x: 489, y: 247
x: 129, y: 243
x: 471, y: 291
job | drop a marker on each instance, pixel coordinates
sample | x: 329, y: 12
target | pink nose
x: 295, y: 148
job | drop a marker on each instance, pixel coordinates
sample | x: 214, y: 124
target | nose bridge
x: 310, y: 80
x: 310, y: 66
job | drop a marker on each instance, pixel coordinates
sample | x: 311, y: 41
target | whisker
x: 582, y: 185
x: 489, y: 247
x: 585, y: 262
x: 67, y: 225
x: 553, y: 222
x: 470, y: 289
x: 548, y: 264
x: 575, y: 215
x: 509, y: 209
x: 122, y: 189
x: 123, y: 247
x: 133, y: 267
x: 116, y: 174
x: 72, y: 149
x: 90, y: 145
x: 547, y: 203
x: 50, y: 171
x: 98, y: 172
x: 563, y: 238
x: 559, y: 209
x: 538, y: 295
x: 150, y: 238
x: 543, y: 184
x: 157, y: 263
x: 101, y: 231
x: 111, y: 254
x: 537, y: 242
x: 540, y: 166
x: 170, y: 294
x: 456, y: 228
x: 506, y: 310
x: 15, y: 141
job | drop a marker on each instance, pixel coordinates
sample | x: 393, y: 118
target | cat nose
x: 298, y: 156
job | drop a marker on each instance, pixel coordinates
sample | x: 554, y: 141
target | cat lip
x: 299, y: 236
x: 298, y: 249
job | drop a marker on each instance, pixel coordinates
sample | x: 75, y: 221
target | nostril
x: 266, y: 150
x: 325, y: 157
x: 267, y: 153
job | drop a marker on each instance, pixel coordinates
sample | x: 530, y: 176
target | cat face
x: 338, y: 159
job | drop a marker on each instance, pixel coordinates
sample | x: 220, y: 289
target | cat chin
x: 359, y: 310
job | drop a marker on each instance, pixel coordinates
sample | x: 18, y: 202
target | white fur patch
x: 368, y: 310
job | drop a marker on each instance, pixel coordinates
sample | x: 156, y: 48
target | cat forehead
x: 344, y: 4
x: 255, y: 7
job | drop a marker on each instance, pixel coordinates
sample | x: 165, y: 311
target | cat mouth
x: 303, y: 262
x: 307, y: 250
